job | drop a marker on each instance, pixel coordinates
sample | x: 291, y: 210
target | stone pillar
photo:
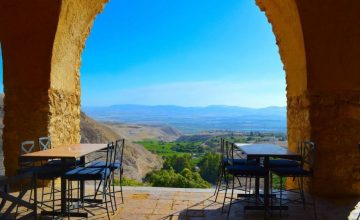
x: 319, y: 47
x: 286, y: 24
x: 331, y: 38
x: 27, y: 31
x: 41, y: 43
x: 75, y: 22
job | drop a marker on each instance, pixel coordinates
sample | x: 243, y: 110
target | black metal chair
x: 102, y: 174
x: 18, y: 200
x: 305, y: 170
x: 237, y: 171
x: 225, y: 162
x: 45, y: 144
x: 43, y: 172
x: 116, y: 165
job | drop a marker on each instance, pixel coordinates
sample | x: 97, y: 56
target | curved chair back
x: 222, y: 149
x: 27, y: 147
x: 45, y: 143
x: 307, y: 150
x: 229, y: 152
x: 109, y: 154
x: 119, y: 151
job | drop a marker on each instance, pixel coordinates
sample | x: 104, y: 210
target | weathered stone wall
x: 284, y: 18
x: 27, y: 31
x: 331, y: 36
x: 335, y: 127
x: 42, y: 43
x: 325, y: 107
x: 76, y: 19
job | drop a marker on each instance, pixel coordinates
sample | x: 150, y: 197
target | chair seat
x: 246, y: 170
x: 102, y: 164
x: 291, y: 172
x: 283, y: 163
x: 43, y: 172
x: 87, y: 173
x: 240, y: 162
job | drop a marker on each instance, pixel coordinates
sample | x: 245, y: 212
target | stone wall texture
x: 42, y: 43
x: 323, y: 85
x: 75, y: 21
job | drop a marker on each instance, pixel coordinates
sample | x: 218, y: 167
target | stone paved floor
x: 197, y: 204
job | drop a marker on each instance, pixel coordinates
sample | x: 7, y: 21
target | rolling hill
x: 195, y: 119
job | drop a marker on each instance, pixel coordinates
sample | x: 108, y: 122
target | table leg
x: 82, y: 183
x: 257, y: 181
x: 266, y: 182
x: 63, y: 212
x: 63, y: 187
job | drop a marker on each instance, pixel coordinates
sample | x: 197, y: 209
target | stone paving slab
x: 192, y: 204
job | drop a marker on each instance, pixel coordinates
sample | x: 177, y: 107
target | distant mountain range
x: 196, y: 119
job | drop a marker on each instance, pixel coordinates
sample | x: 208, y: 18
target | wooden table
x: 66, y: 153
x: 265, y: 151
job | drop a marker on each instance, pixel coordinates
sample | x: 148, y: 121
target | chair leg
x: 17, y: 206
x: 302, y: 192
x: 226, y: 188
x: 246, y: 184
x: 281, y: 191
x: 78, y: 196
x: 109, y: 191
x: 271, y: 189
x: 121, y: 189
x: 31, y: 191
x: 314, y: 207
x: 97, y: 190
x: 42, y: 193
x: 106, y: 203
x: 68, y: 202
x: 217, y: 190
x: 231, y: 198
x: 113, y: 189
x: 217, y: 180
x: 53, y: 195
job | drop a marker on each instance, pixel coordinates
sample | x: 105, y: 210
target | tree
x: 168, y: 178
x: 178, y: 163
x: 209, y: 167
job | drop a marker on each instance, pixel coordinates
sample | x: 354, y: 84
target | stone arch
x: 43, y: 40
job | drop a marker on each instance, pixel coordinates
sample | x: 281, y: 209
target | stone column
x: 42, y: 42
x: 331, y: 38
x: 27, y: 31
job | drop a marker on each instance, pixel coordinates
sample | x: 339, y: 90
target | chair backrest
x: 26, y: 147
x: 119, y: 150
x: 229, y: 151
x: 307, y: 150
x: 45, y: 143
x: 222, y: 148
x: 109, y: 154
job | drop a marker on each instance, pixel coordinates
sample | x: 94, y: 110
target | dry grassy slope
x: 138, y: 132
x: 137, y: 160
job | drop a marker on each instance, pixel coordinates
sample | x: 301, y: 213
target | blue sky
x: 182, y: 52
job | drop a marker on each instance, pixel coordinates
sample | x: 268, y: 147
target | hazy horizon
x: 182, y: 106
